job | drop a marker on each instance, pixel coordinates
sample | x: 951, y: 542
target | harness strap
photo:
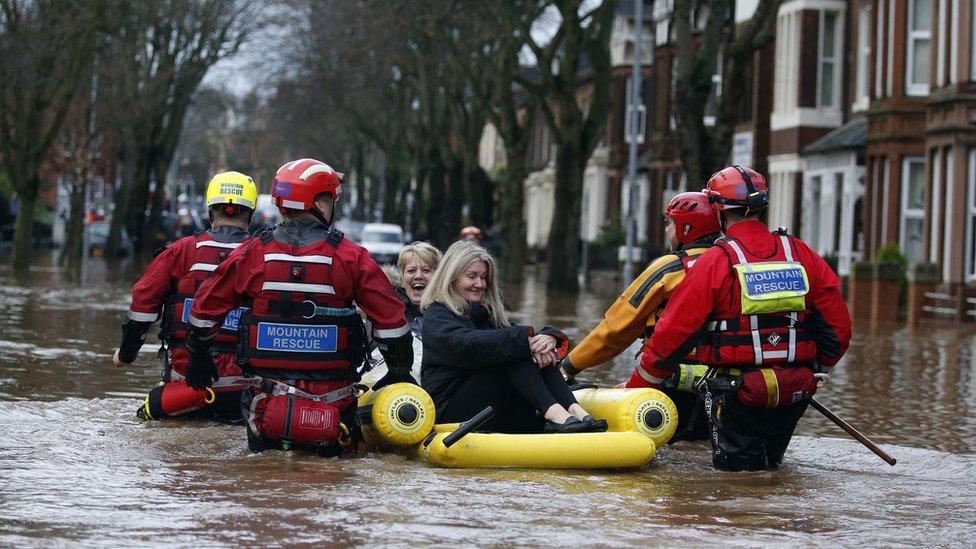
x: 737, y: 340
x: 765, y: 321
x: 289, y: 415
x: 279, y: 388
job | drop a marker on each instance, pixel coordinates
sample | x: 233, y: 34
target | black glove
x: 133, y: 336
x: 398, y: 354
x: 201, y: 372
x: 394, y: 377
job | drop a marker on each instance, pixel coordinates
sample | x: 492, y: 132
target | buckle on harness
x: 314, y: 308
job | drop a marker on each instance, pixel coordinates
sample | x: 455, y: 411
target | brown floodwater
x: 77, y: 467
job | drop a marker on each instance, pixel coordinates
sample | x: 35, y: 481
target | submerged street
x: 79, y: 468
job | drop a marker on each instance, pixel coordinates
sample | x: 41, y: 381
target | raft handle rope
x: 345, y: 439
x: 468, y: 426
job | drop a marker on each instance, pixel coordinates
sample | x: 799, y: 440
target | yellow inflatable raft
x: 549, y: 451
x: 401, y: 416
x: 398, y: 415
x: 647, y: 411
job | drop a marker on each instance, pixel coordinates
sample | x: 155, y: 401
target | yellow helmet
x: 232, y: 188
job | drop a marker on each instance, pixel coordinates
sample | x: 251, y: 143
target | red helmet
x: 471, y: 231
x: 736, y: 187
x: 298, y: 182
x: 694, y: 216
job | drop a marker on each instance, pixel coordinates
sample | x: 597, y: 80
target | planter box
x: 859, y: 288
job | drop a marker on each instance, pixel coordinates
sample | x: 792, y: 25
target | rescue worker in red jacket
x: 168, y: 285
x: 692, y: 226
x: 302, y: 334
x: 765, y: 312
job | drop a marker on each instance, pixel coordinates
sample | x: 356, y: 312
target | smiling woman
x: 416, y: 263
x: 474, y: 357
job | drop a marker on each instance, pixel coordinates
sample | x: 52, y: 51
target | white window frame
x: 661, y: 14
x: 935, y: 206
x: 890, y: 65
x: 940, y: 47
x: 912, y: 36
x: 946, y: 248
x: 879, y: 50
x: 885, y: 189
x: 863, y: 60
x: 972, y: 54
x: 838, y: 31
x: 954, y: 43
x: 906, y: 213
x: 970, y: 265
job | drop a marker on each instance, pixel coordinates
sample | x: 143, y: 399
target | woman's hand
x: 545, y: 359
x: 541, y: 344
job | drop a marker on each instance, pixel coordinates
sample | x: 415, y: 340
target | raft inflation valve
x: 407, y: 413
x: 653, y: 419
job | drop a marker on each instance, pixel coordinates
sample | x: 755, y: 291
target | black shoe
x: 572, y: 425
x: 596, y: 425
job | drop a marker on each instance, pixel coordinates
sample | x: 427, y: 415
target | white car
x: 383, y: 241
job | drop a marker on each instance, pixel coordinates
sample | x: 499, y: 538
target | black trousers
x: 746, y: 438
x: 519, y: 394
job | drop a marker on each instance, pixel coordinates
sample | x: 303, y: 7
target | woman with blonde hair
x: 475, y: 357
x: 415, y: 266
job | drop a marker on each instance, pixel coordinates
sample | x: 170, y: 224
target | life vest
x: 297, y: 327
x: 204, y: 259
x: 770, y: 297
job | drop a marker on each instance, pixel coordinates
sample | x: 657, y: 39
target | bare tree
x: 577, y: 129
x: 703, y: 150
x: 78, y: 151
x: 163, y: 51
x: 45, y: 46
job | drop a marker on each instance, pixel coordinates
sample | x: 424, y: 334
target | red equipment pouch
x: 775, y: 387
x: 173, y: 399
x: 294, y: 420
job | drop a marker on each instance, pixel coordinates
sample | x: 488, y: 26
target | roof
x: 852, y: 135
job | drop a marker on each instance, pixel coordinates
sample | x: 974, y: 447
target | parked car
x: 353, y: 230
x: 383, y: 241
x: 98, y: 237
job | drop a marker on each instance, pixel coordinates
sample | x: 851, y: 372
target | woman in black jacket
x: 474, y: 357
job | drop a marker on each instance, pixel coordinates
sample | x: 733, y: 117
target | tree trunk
x: 417, y: 212
x: 390, y: 184
x: 24, y: 229
x: 512, y: 220
x: 565, y: 229
x: 451, y: 225
x: 139, y: 199
x: 154, y: 225
x: 481, y: 200
x: 74, y: 245
x: 436, y: 207
x: 359, y: 209
x: 123, y: 200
